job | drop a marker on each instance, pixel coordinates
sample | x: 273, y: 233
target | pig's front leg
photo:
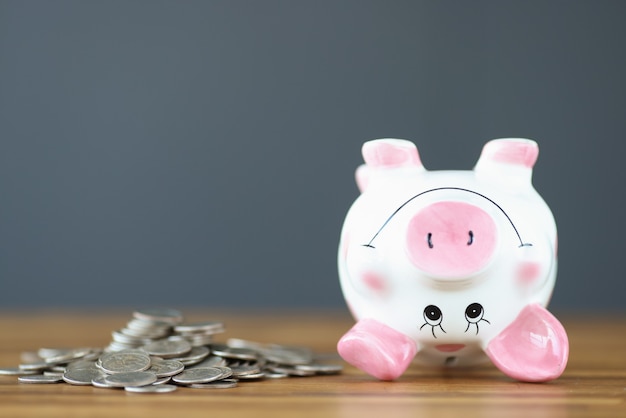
x: 534, y: 348
x: 377, y: 349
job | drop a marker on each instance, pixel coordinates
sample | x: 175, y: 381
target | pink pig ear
x: 390, y: 153
x: 385, y: 154
x: 508, y: 158
x: 534, y: 348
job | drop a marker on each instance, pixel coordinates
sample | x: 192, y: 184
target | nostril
x: 429, y: 239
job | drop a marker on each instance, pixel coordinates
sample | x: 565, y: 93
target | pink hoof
x: 377, y: 349
x: 534, y: 348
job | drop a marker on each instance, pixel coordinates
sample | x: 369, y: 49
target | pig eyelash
x: 519, y: 237
x: 432, y: 328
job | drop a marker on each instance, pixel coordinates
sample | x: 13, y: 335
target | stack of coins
x: 157, y: 352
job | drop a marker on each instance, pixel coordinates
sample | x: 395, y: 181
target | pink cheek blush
x: 374, y: 282
x: 528, y: 272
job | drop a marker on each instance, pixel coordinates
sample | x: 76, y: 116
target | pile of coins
x: 157, y: 352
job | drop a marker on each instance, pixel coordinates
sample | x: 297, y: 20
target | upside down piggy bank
x: 450, y: 267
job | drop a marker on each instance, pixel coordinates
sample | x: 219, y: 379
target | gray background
x: 202, y: 153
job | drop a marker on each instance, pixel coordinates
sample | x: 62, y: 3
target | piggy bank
x: 450, y: 268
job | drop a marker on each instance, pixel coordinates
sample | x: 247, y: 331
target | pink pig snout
x: 451, y: 240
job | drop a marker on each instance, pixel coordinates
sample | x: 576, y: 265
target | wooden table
x: 593, y: 385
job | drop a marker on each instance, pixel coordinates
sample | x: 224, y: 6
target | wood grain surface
x: 593, y: 385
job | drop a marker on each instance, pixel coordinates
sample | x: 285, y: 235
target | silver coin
x: 196, y: 355
x: 168, y: 315
x: 198, y: 340
x: 233, y: 352
x: 254, y: 376
x: 168, y: 348
x: 46, y: 352
x: 199, y: 375
x: 131, y: 379
x: 16, y: 371
x: 320, y: 368
x: 289, y: 370
x: 274, y: 375
x: 241, y: 343
x: 124, y: 362
x: 210, y: 361
x: 207, y: 327
x: 51, y: 373
x: 151, y: 389
x: 68, y: 355
x: 142, y: 325
x: 34, y: 366
x: 162, y: 380
x: 150, y: 334
x: 164, y: 368
x: 39, y: 378
x: 99, y: 382
x: 120, y: 337
x: 288, y: 355
x: 245, y: 369
x: 80, y: 364
x: 30, y: 357
x: 81, y: 376
x: 217, y: 384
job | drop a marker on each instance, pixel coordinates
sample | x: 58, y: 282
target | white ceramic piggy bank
x: 450, y: 267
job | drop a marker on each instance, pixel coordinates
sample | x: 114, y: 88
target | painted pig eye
x: 474, y: 314
x: 433, y: 317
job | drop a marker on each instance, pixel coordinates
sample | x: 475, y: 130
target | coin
x: 39, y: 378
x: 80, y: 364
x: 217, y: 384
x: 287, y: 355
x: 16, y: 371
x: 164, y: 368
x: 99, y: 382
x: 124, y: 362
x: 151, y: 389
x: 320, y: 368
x: 168, y: 348
x: 205, y: 327
x: 233, y: 352
x: 245, y: 369
x: 196, y: 355
x: 290, y: 370
x: 162, y: 380
x: 65, y: 356
x: 210, y: 361
x: 199, y: 375
x: 34, y: 366
x: 131, y: 379
x: 171, y: 316
x: 81, y: 376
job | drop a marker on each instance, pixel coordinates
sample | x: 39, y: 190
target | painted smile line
x: 449, y: 348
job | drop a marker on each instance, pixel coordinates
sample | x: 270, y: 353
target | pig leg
x: 377, y: 349
x: 534, y: 348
